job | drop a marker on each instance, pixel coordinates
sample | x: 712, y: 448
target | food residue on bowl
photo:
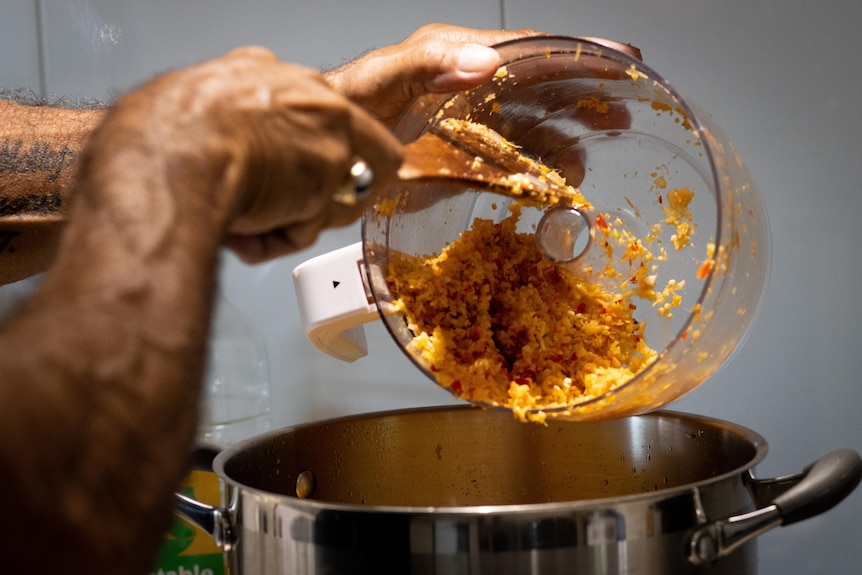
x: 499, y: 324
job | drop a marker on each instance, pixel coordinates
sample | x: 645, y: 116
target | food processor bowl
x: 674, y: 224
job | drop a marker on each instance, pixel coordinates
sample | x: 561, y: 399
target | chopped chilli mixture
x: 499, y: 324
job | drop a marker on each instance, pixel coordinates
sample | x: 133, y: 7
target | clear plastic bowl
x: 615, y: 128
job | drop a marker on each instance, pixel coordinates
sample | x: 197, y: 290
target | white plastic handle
x: 334, y: 302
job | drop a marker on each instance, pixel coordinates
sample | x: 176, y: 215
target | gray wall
x: 782, y: 77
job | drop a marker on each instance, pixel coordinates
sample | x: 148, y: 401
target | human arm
x: 100, y: 370
x: 436, y: 58
x: 39, y: 147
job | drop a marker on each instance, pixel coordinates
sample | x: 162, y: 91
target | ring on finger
x: 357, y: 185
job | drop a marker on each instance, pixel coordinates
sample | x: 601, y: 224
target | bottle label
x: 188, y: 549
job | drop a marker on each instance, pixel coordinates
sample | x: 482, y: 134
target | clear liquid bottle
x: 236, y: 392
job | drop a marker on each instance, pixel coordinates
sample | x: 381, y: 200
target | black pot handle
x: 815, y: 490
x: 822, y: 485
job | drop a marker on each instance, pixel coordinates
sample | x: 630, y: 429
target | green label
x: 187, y: 549
x: 192, y: 565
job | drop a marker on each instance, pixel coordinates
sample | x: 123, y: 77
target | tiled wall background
x: 782, y: 77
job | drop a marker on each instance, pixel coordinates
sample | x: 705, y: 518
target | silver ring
x: 357, y: 185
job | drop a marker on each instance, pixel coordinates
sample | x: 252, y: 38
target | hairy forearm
x: 101, y: 367
x: 39, y: 150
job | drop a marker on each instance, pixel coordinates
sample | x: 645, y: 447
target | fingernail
x: 476, y: 58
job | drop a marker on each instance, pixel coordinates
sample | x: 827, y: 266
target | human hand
x: 590, y: 108
x: 440, y: 58
x: 437, y: 58
x: 270, y: 142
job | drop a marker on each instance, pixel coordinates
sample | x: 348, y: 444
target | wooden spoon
x: 472, y: 153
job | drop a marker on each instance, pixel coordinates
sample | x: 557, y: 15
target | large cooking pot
x: 466, y: 491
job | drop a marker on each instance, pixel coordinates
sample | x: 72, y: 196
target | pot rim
x: 757, y: 441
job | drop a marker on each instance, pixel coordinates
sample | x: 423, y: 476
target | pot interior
x: 464, y: 456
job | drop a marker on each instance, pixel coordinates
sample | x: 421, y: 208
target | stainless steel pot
x: 466, y: 491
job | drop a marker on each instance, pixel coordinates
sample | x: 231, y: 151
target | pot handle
x: 334, y: 302
x: 815, y: 490
x: 213, y: 520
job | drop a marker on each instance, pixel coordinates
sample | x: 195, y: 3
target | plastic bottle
x: 236, y: 395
